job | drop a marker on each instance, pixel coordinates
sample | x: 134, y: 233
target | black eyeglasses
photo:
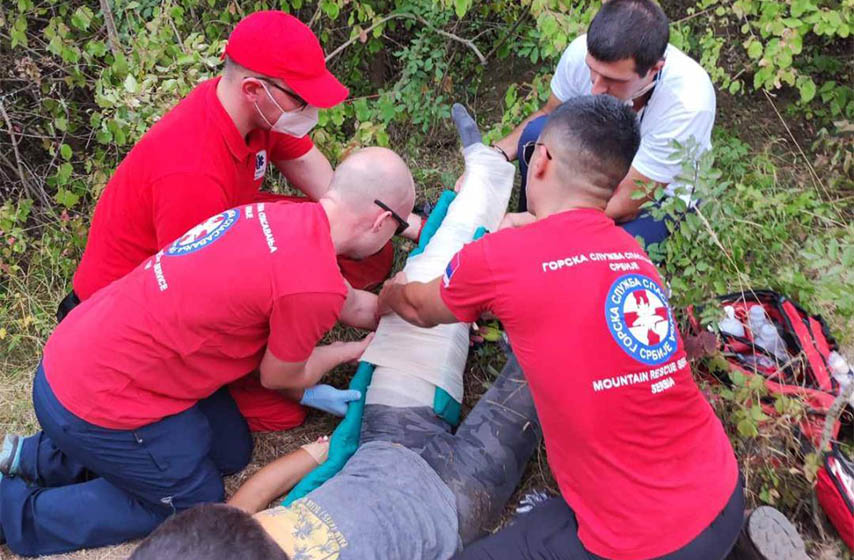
x: 528, y: 151
x: 402, y: 224
x: 302, y: 102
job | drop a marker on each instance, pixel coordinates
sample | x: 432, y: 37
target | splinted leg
x: 483, y: 463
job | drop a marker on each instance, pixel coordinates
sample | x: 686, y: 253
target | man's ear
x: 379, y: 220
x: 541, y: 162
x: 656, y: 67
x: 251, y: 89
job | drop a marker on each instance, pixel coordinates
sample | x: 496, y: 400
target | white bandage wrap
x: 436, y: 357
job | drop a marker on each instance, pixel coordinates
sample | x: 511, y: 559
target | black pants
x: 550, y: 532
x: 484, y: 460
x: 66, y: 305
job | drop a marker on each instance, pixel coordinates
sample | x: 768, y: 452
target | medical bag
x: 835, y: 491
x: 804, y: 375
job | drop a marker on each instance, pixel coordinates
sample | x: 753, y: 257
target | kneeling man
x: 130, y: 395
x: 644, y: 467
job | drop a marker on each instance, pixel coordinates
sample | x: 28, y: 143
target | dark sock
x: 467, y: 128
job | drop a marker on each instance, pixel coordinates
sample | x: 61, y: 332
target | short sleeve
x: 468, y: 288
x: 286, y: 147
x: 299, y: 321
x: 656, y: 156
x: 568, y: 79
x: 183, y: 200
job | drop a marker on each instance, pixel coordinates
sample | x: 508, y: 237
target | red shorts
x: 266, y: 410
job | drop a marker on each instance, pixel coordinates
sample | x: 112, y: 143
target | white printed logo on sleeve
x: 640, y: 320
x: 260, y: 164
x: 204, y: 234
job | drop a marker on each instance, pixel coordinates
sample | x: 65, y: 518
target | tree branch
x: 19, y: 166
x: 425, y: 23
x: 110, y: 23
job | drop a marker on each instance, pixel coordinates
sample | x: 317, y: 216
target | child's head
x: 209, y: 532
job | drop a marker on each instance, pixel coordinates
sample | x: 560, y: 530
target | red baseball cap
x: 278, y: 45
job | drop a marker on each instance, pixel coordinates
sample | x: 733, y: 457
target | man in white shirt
x: 626, y: 54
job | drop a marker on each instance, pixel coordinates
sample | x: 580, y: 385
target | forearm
x: 509, y: 144
x: 360, y: 309
x: 323, y: 360
x: 272, y: 481
x: 403, y: 299
x: 623, y: 208
x: 415, y: 224
x: 516, y: 219
x: 311, y: 173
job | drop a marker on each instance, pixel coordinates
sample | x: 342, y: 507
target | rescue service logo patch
x: 260, y: 164
x: 451, y: 269
x: 640, y: 319
x: 204, y: 234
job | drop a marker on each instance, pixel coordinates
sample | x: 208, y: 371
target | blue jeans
x: 91, y: 486
x: 644, y: 226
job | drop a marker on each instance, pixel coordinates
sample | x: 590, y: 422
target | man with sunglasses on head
x: 131, y: 393
x: 210, y: 153
x: 626, y: 54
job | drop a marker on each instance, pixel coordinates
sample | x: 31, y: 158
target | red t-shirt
x: 192, y: 164
x: 636, y: 450
x: 198, y: 315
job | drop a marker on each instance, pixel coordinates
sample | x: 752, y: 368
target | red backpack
x: 835, y: 491
x: 806, y: 337
x: 805, y: 376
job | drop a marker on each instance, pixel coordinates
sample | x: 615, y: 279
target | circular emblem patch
x: 640, y: 320
x: 204, y: 234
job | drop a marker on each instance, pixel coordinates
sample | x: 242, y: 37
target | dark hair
x: 595, y: 135
x: 209, y: 532
x: 629, y: 28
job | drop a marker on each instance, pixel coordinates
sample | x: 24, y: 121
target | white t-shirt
x: 682, y: 105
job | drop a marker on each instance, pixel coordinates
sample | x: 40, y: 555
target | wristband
x: 498, y: 149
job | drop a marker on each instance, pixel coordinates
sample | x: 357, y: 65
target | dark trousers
x: 84, y: 486
x: 68, y: 303
x: 484, y: 460
x: 550, y: 531
x: 644, y: 226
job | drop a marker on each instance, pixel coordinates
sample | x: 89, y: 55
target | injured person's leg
x: 483, y: 463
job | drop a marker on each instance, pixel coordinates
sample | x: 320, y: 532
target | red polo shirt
x: 190, y: 165
x: 638, y: 453
x: 198, y: 315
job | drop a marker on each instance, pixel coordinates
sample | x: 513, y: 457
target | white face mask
x: 293, y: 123
x: 630, y: 101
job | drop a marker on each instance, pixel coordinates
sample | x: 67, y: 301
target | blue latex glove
x: 329, y: 399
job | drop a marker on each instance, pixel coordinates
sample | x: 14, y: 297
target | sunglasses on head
x: 528, y: 151
x: 401, y: 223
x: 302, y: 102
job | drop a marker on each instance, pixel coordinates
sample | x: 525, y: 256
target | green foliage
x: 750, y: 230
x: 800, y: 44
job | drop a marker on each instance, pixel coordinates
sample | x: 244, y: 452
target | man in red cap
x: 211, y: 153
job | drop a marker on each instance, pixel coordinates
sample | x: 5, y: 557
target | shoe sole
x: 774, y: 537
